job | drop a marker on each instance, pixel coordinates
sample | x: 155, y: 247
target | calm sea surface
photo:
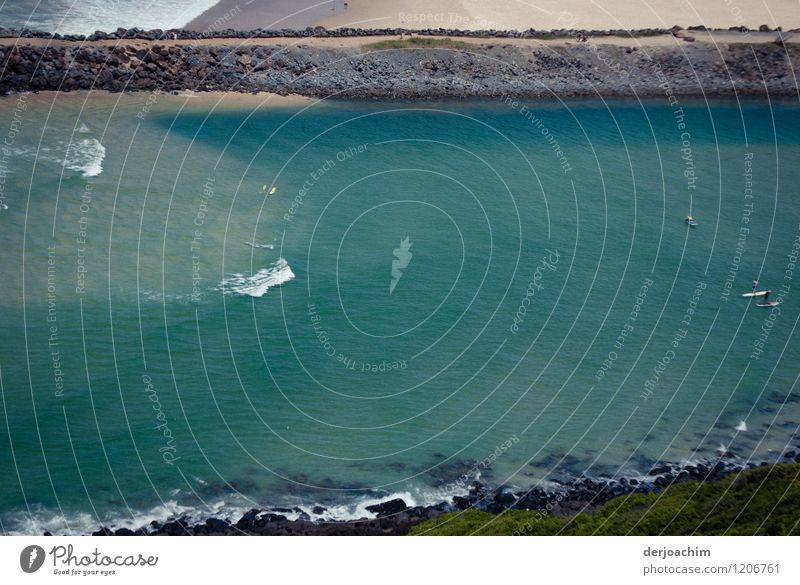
x: 433, y: 291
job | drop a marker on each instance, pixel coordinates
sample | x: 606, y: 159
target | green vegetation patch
x: 761, y: 501
x: 419, y: 43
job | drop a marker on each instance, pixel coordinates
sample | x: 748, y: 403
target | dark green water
x: 142, y: 373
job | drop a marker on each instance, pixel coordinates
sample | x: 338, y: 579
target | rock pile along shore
x: 395, y: 517
x: 484, y: 64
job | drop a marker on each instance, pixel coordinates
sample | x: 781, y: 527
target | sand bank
x: 558, y: 14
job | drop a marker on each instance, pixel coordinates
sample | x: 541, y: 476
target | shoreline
x: 761, y: 34
x: 372, y: 65
x: 292, y: 70
x: 500, y: 14
x: 394, y: 517
x: 238, y: 15
x: 354, y: 38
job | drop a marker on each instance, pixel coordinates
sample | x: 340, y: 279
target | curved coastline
x: 565, y: 498
x: 661, y: 63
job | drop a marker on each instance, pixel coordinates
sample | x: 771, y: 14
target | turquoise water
x: 88, y: 16
x: 176, y: 339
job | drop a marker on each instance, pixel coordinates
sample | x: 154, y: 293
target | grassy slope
x: 764, y: 501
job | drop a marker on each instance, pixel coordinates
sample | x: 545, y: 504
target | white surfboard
x: 757, y: 293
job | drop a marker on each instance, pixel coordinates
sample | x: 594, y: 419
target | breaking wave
x: 87, y: 16
x: 259, y: 283
x: 85, y: 156
x: 81, y: 523
x: 231, y: 508
x: 254, y: 245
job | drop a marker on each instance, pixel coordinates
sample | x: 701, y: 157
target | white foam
x: 81, y: 523
x: 85, y: 156
x: 231, y: 508
x: 87, y: 16
x: 741, y: 427
x: 254, y: 245
x: 358, y: 508
x: 156, y: 296
x: 259, y: 283
x: 199, y: 480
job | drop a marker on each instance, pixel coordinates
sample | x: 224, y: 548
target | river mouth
x: 433, y: 292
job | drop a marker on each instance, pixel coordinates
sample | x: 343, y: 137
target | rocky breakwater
x: 565, y: 497
x: 487, y: 67
x: 392, y: 517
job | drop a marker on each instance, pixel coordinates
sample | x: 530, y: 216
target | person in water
x: 755, y: 284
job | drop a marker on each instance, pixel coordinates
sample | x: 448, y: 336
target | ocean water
x: 84, y: 17
x: 434, y: 292
x: 87, y: 16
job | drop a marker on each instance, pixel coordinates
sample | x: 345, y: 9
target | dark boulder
x: 179, y: 527
x: 217, y: 526
x: 662, y: 481
x: 388, y: 508
x: 247, y: 519
x: 504, y: 499
x: 462, y: 503
x: 660, y: 470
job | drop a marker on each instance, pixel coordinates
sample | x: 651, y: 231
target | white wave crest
x: 357, y: 509
x: 85, y: 156
x: 259, y: 283
x: 87, y: 16
x: 81, y: 523
x: 254, y: 245
x: 232, y: 507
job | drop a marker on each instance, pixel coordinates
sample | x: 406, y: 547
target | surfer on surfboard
x: 767, y: 303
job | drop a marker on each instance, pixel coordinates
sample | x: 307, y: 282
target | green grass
x: 763, y: 501
x: 419, y: 43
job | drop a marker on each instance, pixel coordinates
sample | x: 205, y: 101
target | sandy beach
x: 498, y: 14
x: 268, y: 14
x: 557, y: 14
